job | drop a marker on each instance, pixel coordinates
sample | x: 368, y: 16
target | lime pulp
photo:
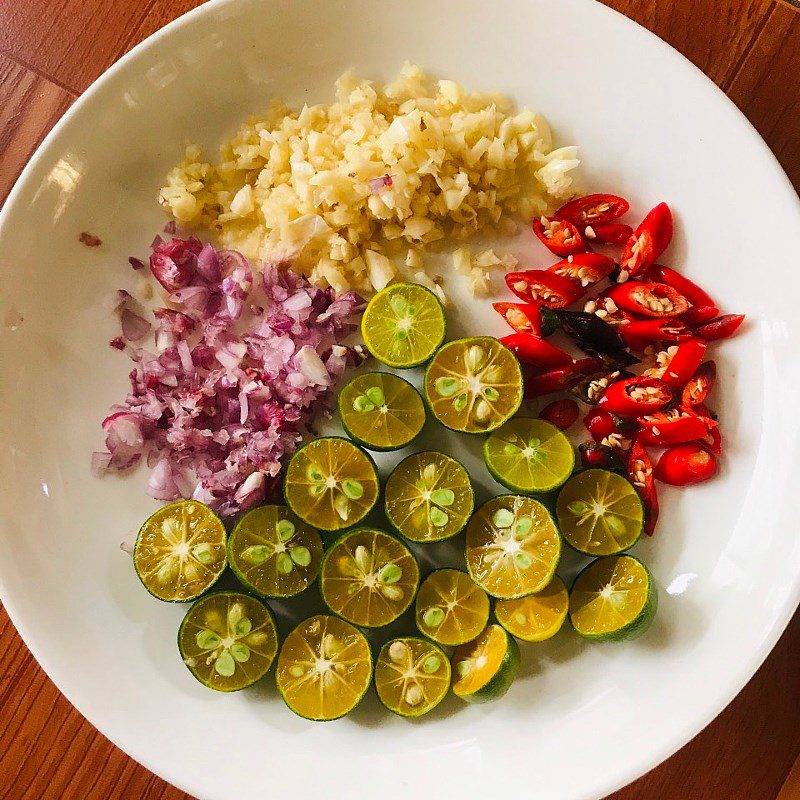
x: 613, y: 599
x: 273, y: 553
x: 600, y: 513
x: 331, y: 484
x: 428, y: 497
x: 412, y: 676
x: 228, y: 640
x: 513, y: 546
x: 180, y: 551
x: 529, y: 455
x: 473, y: 385
x: 381, y: 411
x: 403, y: 325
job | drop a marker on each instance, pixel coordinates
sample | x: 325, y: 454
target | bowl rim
x: 618, y: 775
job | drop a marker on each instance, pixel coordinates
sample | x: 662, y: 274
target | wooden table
x: 51, y: 50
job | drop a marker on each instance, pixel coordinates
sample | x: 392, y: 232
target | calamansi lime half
x: 324, y: 668
x: 529, y: 455
x: 513, y: 546
x: 474, y: 385
x: 428, y: 497
x: 485, y: 668
x: 600, y: 512
x: 403, y: 325
x: 228, y: 640
x: 331, y: 484
x: 381, y: 411
x: 412, y: 676
x: 180, y: 551
x: 369, y: 577
x: 273, y: 553
x: 535, y: 617
x: 451, y: 608
x: 613, y: 599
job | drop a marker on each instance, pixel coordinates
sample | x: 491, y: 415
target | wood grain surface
x: 51, y: 50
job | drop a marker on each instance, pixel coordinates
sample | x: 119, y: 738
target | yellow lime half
x: 324, y: 668
x: 369, y: 577
x: 513, y: 546
x: 331, y: 484
x: 535, y: 617
x: 180, y: 551
x: 474, y: 385
x: 451, y: 608
x: 403, y: 325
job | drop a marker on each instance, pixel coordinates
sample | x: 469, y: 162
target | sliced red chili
x: 522, y: 317
x: 599, y: 456
x: 712, y: 441
x: 649, y: 299
x: 649, y: 241
x: 530, y: 349
x: 697, y: 315
x: 534, y: 285
x: 721, y: 327
x: 610, y: 429
x: 561, y: 413
x: 699, y: 385
x: 585, y: 269
x: 677, y: 426
x: 690, y: 290
x: 559, y: 236
x: 593, y: 208
x: 638, y: 335
x: 608, y: 233
x: 561, y: 378
x: 678, y: 363
x: 589, y: 389
x: 685, y: 464
x: 640, y: 474
x: 605, y: 308
x: 635, y: 397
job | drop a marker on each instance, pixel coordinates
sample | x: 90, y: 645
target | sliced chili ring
x: 640, y: 474
x: 607, y: 310
x: 648, y: 242
x: 721, y: 327
x: 560, y: 237
x: 649, y: 299
x: 530, y: 349
x: 539, y: 285
x: 699, y: 385
x: 697, y: 315
x: 635, y: 397
x: 638, y: 335
x: 599, y: 456
x: 685, y: 464
x: 522, y: 317
x: 561, y: 378
x: 712, y: 441
x: 609, y: 429
x: 678, y: 363
x: 593, y: 208
x: 690, y: 290
x: 590, y: 389
x: 585, y: 269
x: 678, y: 426
x: 562, y: 413
x: 608, y: 233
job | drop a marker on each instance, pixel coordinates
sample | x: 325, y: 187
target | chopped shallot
x: 236, y: 371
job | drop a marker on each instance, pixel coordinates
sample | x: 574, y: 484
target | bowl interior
x: 726, y: 554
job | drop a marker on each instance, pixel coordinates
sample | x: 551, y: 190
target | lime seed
x: 502, y: 518
x: 433, y: 616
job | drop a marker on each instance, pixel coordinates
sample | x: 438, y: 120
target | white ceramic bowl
x: 581, y: 720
